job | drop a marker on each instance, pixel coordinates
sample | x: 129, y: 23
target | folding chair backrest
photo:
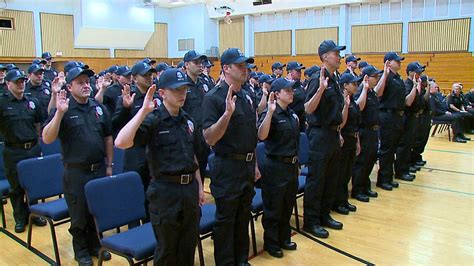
x: 260, y: 156
x: 115, y: 200
x: 2, y: 169
x: 41, y: 177
x: 49, y: 149
x: 303, y: 152
x: 118, y: 161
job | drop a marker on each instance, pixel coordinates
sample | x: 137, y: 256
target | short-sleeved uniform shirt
x: 42, y: 93
x: 393, y: 97
x: 370, y: 115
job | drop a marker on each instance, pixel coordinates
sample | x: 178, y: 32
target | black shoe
x: 341, y: 210
x: 243, y: 264
x: 371, y: 193
x: 20, y: 227
x: 385, y: 186
x: 459, y: 140
x: 4, y: 201
x: 331, y: 223
x: 394, y: 184
x: 317, y: 231
x: 277, y: 253
x: 105, y: 254
x: 417, y: 167
x: 420, y: 163
x: 84, y: 260
x: 361, y: 197
x: 464, y: 137
x: 289, y: 245
x: 350, y: 207
x: 412, y: 169
x: 38, y: 221
x: 405, y: 177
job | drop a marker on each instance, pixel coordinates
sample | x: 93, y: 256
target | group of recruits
x: 170, y: 120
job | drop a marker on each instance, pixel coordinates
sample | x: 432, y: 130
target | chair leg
x: 4, y: 222
x: 55, y: 241
x: 434, y: 130
x: 30, y: 231
x: 297, y: 217
x: 200, y: 252
x: 254, y: 240
x: 99, y: 259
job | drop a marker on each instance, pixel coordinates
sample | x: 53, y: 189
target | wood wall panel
x: 19, y: 42
x: 157, y: 46
x: 379, y: 38
x: 231, y: 35
x: 439, y: 36
x: 272, y: 43
x: 57, y: 32
x: 308, y: 40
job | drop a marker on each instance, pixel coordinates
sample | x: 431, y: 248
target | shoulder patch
x: 190, y: 126
x: 99, y: 110
x: 157, y: 102
x: 31, y: 104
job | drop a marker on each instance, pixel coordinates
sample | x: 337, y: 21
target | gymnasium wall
x: 21, y: 40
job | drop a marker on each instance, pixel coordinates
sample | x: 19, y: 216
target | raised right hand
x: 271, y: 103
x: 62, y: 102
x: 386, y: 67
x: 365, y: 82
x: 323, y: 81
x: 148, y: 104
x: 230, y: 100
x: 127, y: 98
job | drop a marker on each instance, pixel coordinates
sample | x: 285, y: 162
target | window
x: 6, y: 23
x: 185, y: 44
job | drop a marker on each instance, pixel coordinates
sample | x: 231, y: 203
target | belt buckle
x: 185, y: 177
x: 28, y: 145
x: 94, y: 167
x: 294, y: 160
x: 249, y: 157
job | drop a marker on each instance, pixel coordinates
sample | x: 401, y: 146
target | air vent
x: 262, y: 2
x: 6, y: 23
x: 185, y: 44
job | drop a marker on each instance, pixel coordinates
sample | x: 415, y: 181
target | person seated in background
x: 439, y: 113
x: 470, y: 98
x: 456, y: 105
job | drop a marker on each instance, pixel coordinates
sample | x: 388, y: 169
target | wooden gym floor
x: 425, y: 222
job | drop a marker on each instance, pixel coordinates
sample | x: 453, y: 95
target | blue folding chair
x: 206, y: 224
x: 42, y: 178
x: 116, y: 201
x: 4, y: 187
x: 303, y: 155
x: 50, y: 149
x: 118, y: 161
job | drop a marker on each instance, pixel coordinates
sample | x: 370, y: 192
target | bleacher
x: 445, y: 68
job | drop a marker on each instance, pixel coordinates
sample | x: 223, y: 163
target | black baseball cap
x: 415, y: 67
x: 47, y: 56
x: 149, y: 61
x: 123, y: 71
x: 39, y: 61
x: 363, y: 64
x: 370, y: 71
x: 278, y: 65
x: 393, y: 56
x: 234, y: 56
x: 76, y: 72
x: 193, y: 55
x: 35, y: 68
x: 352, y: 58
x: 424, y: 78
x: 349, y: 78
x: 281, y: 83
x: 208, y: 63
x: 141, y: 68
x: 251, y: 66
x: 253, y: 75
x: 3, y: 67
x: 11, y: 67
x: 180, y: 64
x: 310, y: 71
x: 328, y: 46
x: 14, y: 75
x: 112, y: 69
x: 294, y: 65
x: 72, y: 64
x: 162, y: 66
x: 172, y: 78
x: 265, y: 78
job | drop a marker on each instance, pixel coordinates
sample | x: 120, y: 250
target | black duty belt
x: 285, y: 159
x: 335, y: 128
x: 415, y: 114
x: 374, y: 127
x: 84, y: 166
x: 25, y: 145
x: 350, y: 134
x: 248, y: 157
x: 183, y: 179
x: 393, y: 111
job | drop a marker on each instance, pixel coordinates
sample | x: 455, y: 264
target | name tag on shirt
x: 163, y: 132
